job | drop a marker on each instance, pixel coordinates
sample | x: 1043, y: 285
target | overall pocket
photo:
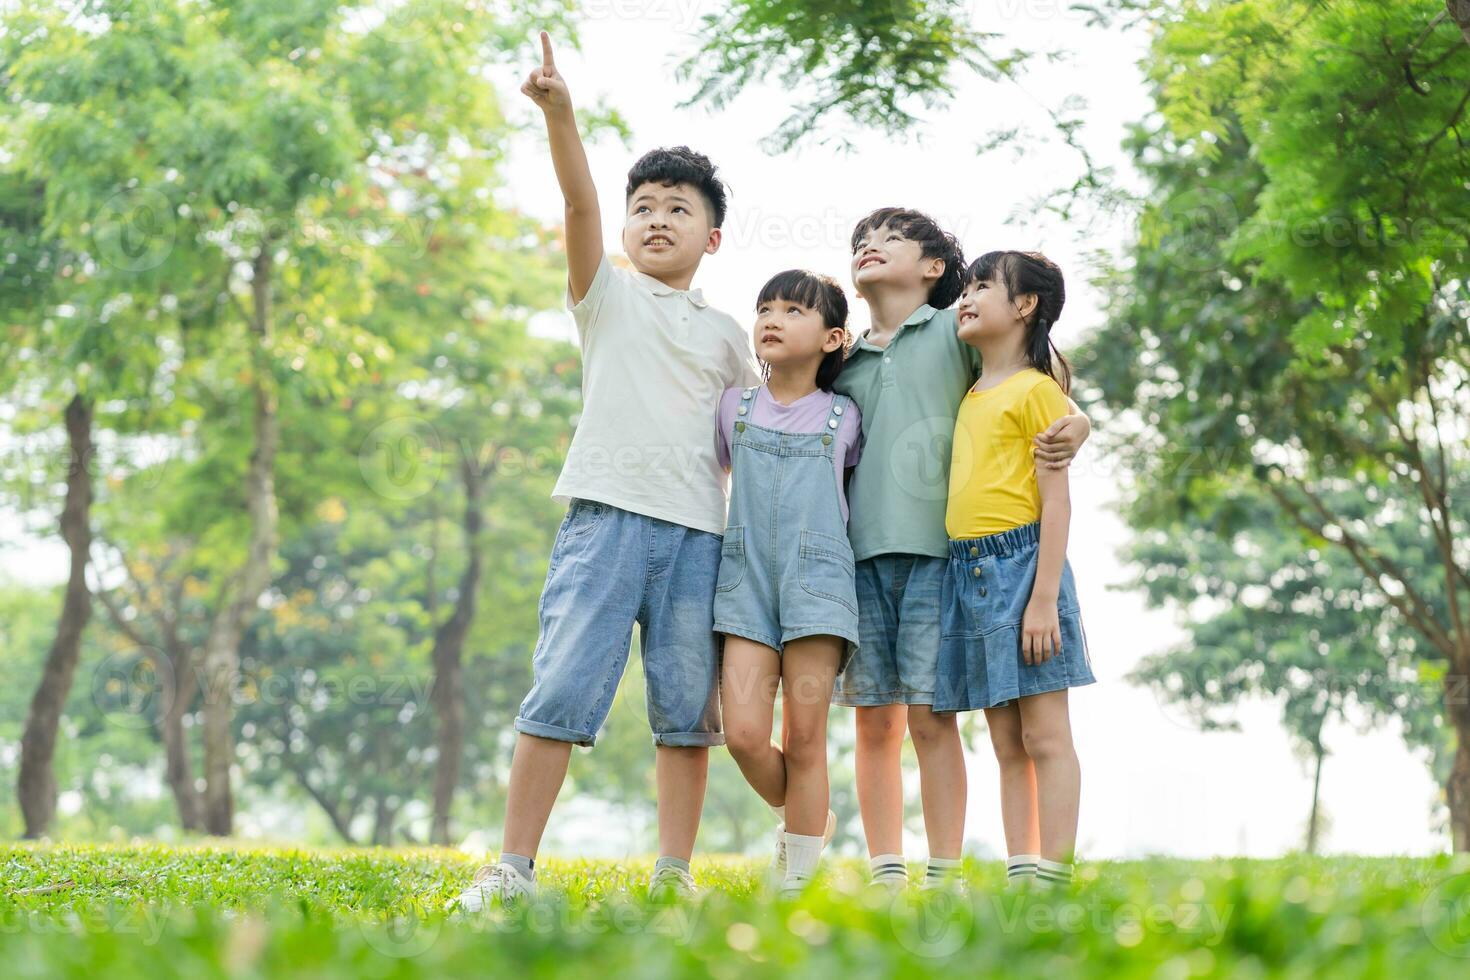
x: 826, y: 568
x: 732, y: 559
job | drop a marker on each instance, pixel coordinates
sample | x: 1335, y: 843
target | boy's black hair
x: 680, y: 165
x: 1031, y: 272
x: 934, y: 242
x: 816, y: 292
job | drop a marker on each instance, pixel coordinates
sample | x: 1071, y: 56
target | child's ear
x: 1026, y: 305
x: 835, y: 337
x: 712, y: 244
x: 935, y: 269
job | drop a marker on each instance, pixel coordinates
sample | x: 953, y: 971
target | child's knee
x: 805, y: 747
x: 879, y: 729
x: 1010, y: 748
x: 745, y: 741
x: 1044, y: 745
x: 925, y: 727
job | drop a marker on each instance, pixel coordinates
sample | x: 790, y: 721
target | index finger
x: 546, y: 61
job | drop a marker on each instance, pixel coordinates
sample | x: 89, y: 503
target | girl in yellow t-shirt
x: 1012, y: 640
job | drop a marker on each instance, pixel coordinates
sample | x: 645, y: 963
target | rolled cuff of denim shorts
x: 689, y: 739
x: 528, y: 727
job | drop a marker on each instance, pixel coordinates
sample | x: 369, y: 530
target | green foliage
x: 874, y: 63
x: 1284, y: 365
x: 150, y: 911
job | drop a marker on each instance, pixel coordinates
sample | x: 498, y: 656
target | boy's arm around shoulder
x: 1055, y: 447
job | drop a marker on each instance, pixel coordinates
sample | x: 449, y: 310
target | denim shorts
x: 898, y: 632
x: 610, y: 569
x: 799, y: 592
x: 986, y: 589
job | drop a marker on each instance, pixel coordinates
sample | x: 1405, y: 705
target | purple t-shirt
x: 808, y: 413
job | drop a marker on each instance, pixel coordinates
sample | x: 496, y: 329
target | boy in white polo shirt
x: 641, y: 538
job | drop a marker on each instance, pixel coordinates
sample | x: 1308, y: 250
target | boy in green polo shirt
x: 908, y: 375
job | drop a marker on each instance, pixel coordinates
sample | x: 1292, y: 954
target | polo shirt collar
x: 922, y: 315
x: 660, y: 288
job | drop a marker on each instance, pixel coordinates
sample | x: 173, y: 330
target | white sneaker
x: 953, y: 884
x: 669, y: 883
x: 778, y: 859
x: 493, y: 884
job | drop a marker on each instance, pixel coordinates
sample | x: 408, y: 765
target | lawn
x: 157, y: 912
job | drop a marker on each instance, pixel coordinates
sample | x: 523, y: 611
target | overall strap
x: 747, y: 406
x: 834, y: 418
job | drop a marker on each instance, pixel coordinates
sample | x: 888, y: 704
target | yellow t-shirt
x: 992, y: 475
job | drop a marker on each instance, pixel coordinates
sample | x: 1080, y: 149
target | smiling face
x: 987, y: 310
x: 884, y: 257
x: 667, y: 229
x: 788, y: 333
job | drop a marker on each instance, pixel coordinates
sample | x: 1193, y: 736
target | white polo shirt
x: 655, y: 361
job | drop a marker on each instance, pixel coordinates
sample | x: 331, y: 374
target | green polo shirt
x: 909, y: 394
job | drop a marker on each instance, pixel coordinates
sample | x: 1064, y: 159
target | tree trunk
x: 383, y: 814
x: 449, y: 641
x: 1314, y: 821
x: 1460, y: 11
x: 1457, y: 788
x: 36, y: 786
x: 222, y: 646
x: 179, y: 770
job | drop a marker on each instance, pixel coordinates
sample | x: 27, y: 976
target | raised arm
x: 548, y: 90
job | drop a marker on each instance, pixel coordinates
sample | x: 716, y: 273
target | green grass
x: 157, y: 912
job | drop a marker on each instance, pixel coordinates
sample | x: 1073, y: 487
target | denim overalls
x: 786, y: 568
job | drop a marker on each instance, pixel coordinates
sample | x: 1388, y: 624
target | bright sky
x: 1151, y: 783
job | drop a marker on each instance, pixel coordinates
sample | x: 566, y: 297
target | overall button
x: 837, y: 410
x: 826, y: 440
x: 741, y: 409
x: 739, y: 426
x: 831, y: 423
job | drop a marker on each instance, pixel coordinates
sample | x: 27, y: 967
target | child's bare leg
x: 537, y: 770
x: 942, y: 781
x: 808, y: 673
x: 682, y: 771
x: 749, y: 676
x: 1017, y: 780
x: 880, y: 731
x: 1046, y: 730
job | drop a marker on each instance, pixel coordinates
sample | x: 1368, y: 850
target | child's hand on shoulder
x: 545, y: 86
x: 1055, y: 447
x: 1041, y: 631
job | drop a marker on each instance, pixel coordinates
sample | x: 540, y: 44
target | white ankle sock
x: 1021, y: 866
x: 942, y: 868
x: 1055, y: 874
x: 888, y: 867
x: 802, y: 855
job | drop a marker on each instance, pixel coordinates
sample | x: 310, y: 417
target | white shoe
x: 669, y: 883
x: 953, y: 884
x: 493, y: 884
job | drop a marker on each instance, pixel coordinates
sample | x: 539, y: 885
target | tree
x: 1268, y: 616
x: 1292, y: 313
x: 235, y: 132
x: 875, y: 63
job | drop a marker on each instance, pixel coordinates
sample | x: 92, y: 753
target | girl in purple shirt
x: 785, y: 600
